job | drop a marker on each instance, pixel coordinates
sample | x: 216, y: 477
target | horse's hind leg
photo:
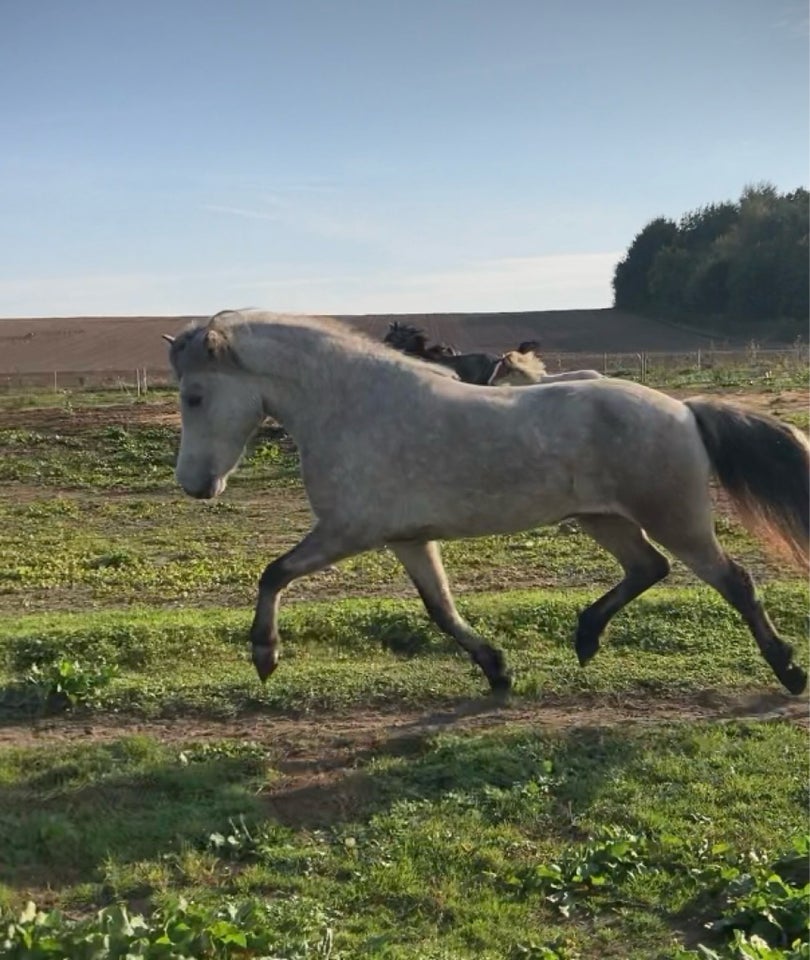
x: 643, y: 566
x: 701, y: 552
x: 423, y: 562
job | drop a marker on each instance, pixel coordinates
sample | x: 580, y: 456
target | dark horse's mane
x: 470, y: 367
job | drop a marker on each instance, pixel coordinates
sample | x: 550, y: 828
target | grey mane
x: 189, y: 349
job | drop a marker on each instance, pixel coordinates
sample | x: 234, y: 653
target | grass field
x: 371, y: 800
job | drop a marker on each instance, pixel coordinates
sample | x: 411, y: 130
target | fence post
x: 144, y: 381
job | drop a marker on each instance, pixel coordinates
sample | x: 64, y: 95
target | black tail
x: 764, y: 466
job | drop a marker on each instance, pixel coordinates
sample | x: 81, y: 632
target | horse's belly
x: 470, y: 509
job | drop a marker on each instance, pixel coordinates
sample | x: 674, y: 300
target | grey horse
x: 631, y: 464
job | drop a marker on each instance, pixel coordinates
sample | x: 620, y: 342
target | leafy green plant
x: 764, y: 908
x: 238, y: 842
x: 583, y: 869
x: 771, y: 902
x: 70, y: 683
x: 183, y: 930
x: 744, y: 947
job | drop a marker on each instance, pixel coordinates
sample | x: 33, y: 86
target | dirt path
x: 323, y: 733
x: 321, y: 761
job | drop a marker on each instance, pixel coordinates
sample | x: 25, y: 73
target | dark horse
x: 469, y: 367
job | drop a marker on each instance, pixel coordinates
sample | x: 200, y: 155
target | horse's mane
x: 525, y: 360
x: 529, y: 365
x: 193, y: 345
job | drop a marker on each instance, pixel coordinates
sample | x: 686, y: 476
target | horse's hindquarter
x: 631, y: 451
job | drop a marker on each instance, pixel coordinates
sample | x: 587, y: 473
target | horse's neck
x: 304, y: 373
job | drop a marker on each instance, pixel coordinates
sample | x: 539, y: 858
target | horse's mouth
x: 213, y: 488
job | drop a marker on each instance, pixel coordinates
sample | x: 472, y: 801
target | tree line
x: 747, y: 260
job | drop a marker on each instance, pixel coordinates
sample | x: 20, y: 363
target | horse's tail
x: 764, y: 467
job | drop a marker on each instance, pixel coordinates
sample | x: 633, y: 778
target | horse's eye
x: 193, y: 401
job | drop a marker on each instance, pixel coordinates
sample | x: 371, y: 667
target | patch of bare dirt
x: 337, y: 731
x: 70, y: 420
x: 120, y: 344
x: 320, y: 758
x: 783, y: 401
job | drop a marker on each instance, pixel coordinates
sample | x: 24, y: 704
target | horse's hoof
x: 492, y: 662
x: 265, y: 660
x: 794, y: 679
x: 501, y: 685
x: 586, y: 648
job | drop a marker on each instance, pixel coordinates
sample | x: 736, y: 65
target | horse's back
x: 605, y: 420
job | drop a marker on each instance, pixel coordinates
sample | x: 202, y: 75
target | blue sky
x: 355, y: 156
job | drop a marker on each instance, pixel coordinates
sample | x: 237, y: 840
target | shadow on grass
x: 65, y: 811
x: 69, y: 809
x: 569, y: 769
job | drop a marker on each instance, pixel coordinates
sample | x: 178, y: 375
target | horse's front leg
x: 423, y: 561
x: 317, y: 550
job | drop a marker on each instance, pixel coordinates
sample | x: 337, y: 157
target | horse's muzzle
x: 212, y: 488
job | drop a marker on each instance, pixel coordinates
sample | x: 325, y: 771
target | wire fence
x: 138, y: 381
x: 642, y: 365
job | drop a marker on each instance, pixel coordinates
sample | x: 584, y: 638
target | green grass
x: 72, y: 398
x: 762, y: 374
x: 116, y: 457
x: 71, y: 550
x: 591, y: 842
x: 339, y: 656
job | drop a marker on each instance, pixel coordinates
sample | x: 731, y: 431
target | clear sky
x: 354, y: 156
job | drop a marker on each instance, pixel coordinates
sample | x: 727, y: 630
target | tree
x: 747, y: 260
x: 631, y: 279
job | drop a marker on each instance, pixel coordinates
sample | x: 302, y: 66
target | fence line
x: 641, y: 364
x: 138, y: 381
x: 638, y: 364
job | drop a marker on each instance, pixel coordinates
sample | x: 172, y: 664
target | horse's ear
x: 214, y: 343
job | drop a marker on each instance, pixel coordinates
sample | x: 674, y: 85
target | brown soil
x: 68, y: 421
x: 776, y: 404
x: 298, y: 736
x: 122, y: 344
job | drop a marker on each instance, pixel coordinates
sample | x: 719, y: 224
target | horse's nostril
x: 205, y: 492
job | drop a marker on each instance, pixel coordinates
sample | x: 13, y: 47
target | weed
x: 69, y: 683
x: 182, y: 929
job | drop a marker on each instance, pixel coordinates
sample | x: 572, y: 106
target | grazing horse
x: 469, y: 367
x: 521, y: 367
x: 631, y: 464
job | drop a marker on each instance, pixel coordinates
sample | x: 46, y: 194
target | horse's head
x: 406, y: 337
x: 220, y: 408
x: 518, y: 369
x: 396, y: 334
